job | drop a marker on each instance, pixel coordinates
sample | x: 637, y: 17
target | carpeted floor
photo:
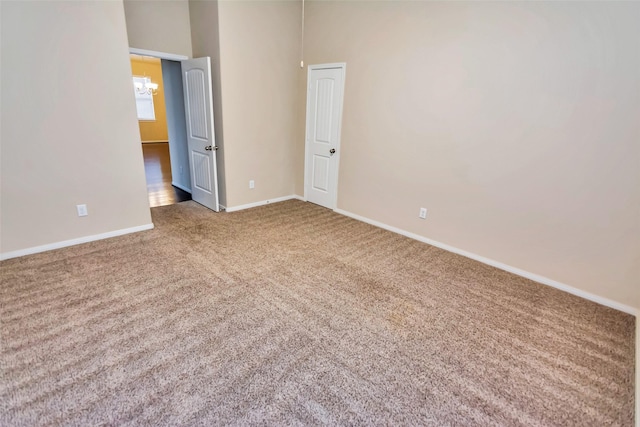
x: 290, y: 314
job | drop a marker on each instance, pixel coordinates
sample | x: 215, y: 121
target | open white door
x: 322, y: 147
x: 198, y: 105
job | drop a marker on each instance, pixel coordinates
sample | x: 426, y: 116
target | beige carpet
x: 290, y: 314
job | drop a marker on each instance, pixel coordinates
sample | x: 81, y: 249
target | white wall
x: 516, y: 124
x: 159, y: 25
x: 64, y: 141
x: 259, y: 57
x: 205, y: 42
x: 254, y: 46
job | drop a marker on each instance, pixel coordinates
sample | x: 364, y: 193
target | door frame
x: 343, y: 67
x: 156, y: 54
x: 170, y: 57
x: 181, y: 59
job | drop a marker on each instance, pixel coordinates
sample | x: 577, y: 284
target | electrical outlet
x: 252, y: 184
x: 423, y: 213
x: 82, y: 210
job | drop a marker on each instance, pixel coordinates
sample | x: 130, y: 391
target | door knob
x: 209, y: 147
x: 332, y: 151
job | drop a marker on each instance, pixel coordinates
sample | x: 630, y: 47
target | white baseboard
x: 262, y: 203
x: 182, y: 187
x: 531, y: 276
x: 72, y: 242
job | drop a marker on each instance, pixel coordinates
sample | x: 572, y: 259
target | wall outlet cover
x: 82, y: 210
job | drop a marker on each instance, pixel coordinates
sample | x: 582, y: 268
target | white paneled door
x: 198, y: 101
x: 322, y: 147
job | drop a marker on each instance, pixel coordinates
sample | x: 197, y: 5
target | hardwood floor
x: 157, y: 168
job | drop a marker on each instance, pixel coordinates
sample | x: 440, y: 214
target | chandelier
x: 145, y: 86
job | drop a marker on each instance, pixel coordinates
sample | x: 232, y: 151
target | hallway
x: 157, y: 169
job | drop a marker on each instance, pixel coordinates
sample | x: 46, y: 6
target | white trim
x: 72, y: 242
x: 262, y: 203
x: 183, y: 188
x: 332, y: 65
x: 156, y: 54
x: 531, y: 276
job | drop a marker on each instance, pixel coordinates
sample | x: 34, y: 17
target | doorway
x: 167, y: 179
x: 190, y: 122
x: 162, y: 128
